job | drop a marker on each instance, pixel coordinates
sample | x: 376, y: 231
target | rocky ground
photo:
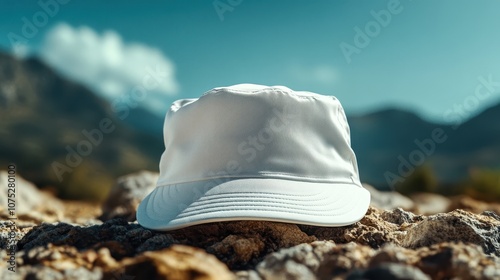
x: 426, y: 237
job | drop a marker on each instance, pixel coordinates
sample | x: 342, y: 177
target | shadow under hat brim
x: 266, y: 199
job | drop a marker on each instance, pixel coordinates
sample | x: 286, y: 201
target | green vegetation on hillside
x: 46, y: 119
x: 422, y: 179
x: 481, y: 184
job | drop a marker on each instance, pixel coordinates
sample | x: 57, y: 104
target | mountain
x: 379, y: 138
x: 386, y: 140
x: 145, y: 121
x: 62, y: 135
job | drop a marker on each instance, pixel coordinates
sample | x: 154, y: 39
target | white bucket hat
x: 252, y: 152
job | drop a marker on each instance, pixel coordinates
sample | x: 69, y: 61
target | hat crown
x: 254, y: 131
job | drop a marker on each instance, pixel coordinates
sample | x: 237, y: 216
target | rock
x: 388, y: 200
x: 29, y: 199
x: 54, y: 263
x: 307, y: 261
x: 155, y: 242
x: 430, y: 203
x: 120, y: 237
x: 81, y: 212
x: 457, y: 261
x: 327, y: 260
x: 344, y: 258
x: 42, y: 272
x: 491, y: 214
x: 392, y: 253
x: 238, y: 244
x: 298, y: 262
x: 247, y: 275
x: 317, y: 260
x: 11, y: 233
x: 399, y: 217
x: 242, y: 244
x: 390, y: 271
x: 371, y: 230
x: 236, y: 249
x: 178, y: 262
x: 472, y: 205
x: 457, y: 226
x: 126, y: 194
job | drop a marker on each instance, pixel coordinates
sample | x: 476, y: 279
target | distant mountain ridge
x: 42, y: 122
x: 380, y: 138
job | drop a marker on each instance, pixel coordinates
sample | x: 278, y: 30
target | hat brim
x: 321, y: 204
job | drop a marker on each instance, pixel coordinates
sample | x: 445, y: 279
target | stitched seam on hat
x: 263, y: 193
x: 275, y: 202
x: 291, y: 175
x: 207, y: 198
x: 284, y: 177
x: 267, y: 193
x: 251, y: 203
x: 208, y: 209
x: 276, y: 209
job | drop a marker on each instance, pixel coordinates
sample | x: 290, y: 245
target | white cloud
x: 323, y: 74
x: 105, y: 63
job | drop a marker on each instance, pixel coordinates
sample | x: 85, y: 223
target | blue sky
x: 427, y: 58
